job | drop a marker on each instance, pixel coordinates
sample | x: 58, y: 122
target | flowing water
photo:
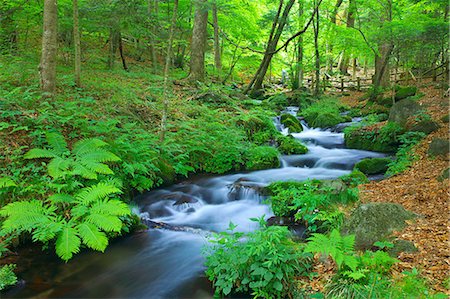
x: 169, y: 264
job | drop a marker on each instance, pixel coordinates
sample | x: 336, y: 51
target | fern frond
x: 61, y: 198
x: 58, y: 167
x: 57, y: 142
x: 38, y: 153
x: 6, y: 182
x: 99, y: 155
x: 97, y: 192
x: 110, y: 207
x: 67, y: 242
x: 97, y: 167
x: 81, y: 170
x: 92, y: 237
x: 46, y: 231
x: 87, y: 145
x: 105, y: 222
x: 25, y: 215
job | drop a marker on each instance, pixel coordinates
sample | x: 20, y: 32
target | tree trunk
x: 122, y: 56
x: 343, y: 68
x: 198, y: 44
x: 277, y: 29
x: 316, y: 48
x: 298, y: 83
x: 217, y: 58
x: 166, y: 73
x: 77, y: 44
x: 112, y: 47
x: 330, y: 45
x: 47, y: 66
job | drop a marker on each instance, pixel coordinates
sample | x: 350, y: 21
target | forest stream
x: 161, y: 263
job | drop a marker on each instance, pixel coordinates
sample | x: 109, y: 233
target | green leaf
x: 97, y: 192
x: 7, y: 182
x: 87, y: 145
x: 92, y: 237
x: 57, y: 142
x: 58, y: 167
x: 61, y: 198
x: 110, y: 207
x: 67, y: 243
x: 105, y: 222
x: 38, y: 153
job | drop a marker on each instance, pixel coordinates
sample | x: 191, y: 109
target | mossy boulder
x: 402, y: 110
x: 444, y: 175
x: 258, y: 127
x: 425, y: 126
x: 445, y: 118
x: 401, y: 246
x: 278, y: 101
x: 374, y: 222
x: 262, y: 157
x: 291, y: 122
x: 439, y: 146
x: 370, y: 140
x: 288, y: 145
x: 403, y: 92
x: 373, y: 165
x: 354, y: 178
x: 327, y: 120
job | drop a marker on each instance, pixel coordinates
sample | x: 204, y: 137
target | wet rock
x: 373, y: 165
x: 185, y: 199
x: 241, y: 185
x: 439, y: 146
x: 374, y: 222
x: 402, y: 110
x: 291, y: 122
x: 425, y: 126
x: 288, y: 145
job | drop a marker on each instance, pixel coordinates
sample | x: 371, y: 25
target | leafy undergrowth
x: 418, y: 190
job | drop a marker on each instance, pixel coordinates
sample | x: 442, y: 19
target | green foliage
x: 414, y: 286
x: 258, y: 127
x: 261, y: 157
x: 354, y: 178
x: 339, y: 248
x: 288, y: 145
x: 276, y: 102
x: 405, y: 155
x: 324, y: 113
x: 373, y: 165
x: 291, y: 122
x: 384, y: 139
x: 87, y: 158
x: 6, y: 182
x: 264, y: 262
x: 7, y: 276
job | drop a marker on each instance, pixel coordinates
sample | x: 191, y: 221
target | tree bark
x: 330, y: 45
x: 77, y: 44
x: 198, y: 44
x: 47, y: 66
x: 153, y: 16
x: 166, y: 73
x: 277, y: 30
x: 298, y: 83
x: 343, y: 67
x: 317, y: 54
x: 122, y: 56
x: 217, y: 54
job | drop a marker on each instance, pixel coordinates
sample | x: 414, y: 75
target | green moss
x: 261, y: 157
x: 277, y: 102
x: 373, y: 165
x: 383, y: 140
x: 291, y: 122
x: 166, y: 171
x: 445, y: 118
x: 327, y: 120
x: 354, y: 178
x: 403, y: 92
x: 258, y: 127
x: 288, y: 145
x: 325, y: 113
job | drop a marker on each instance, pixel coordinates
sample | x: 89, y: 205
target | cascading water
x: 164, y: 263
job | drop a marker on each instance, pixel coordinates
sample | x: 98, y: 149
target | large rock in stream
x: 374, y: 222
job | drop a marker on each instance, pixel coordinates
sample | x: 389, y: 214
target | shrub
x: 384, y: 139
x: 264, y: 262
x: 277, y: 102
x: 261, y: 157
x: 288, y: 145
x: 373, y: 165
x: 405, y: 155
x: 7, y: 276
x: 354, y: 178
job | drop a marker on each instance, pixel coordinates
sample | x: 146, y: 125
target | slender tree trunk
x: 350, y: 24
x: 47, y: 66
x: 77, y: 44
x: 151, y: 11
x: 112, y: 47
x: 217, y: 58
x: 198, y: 44
x: 316, y: 48
x: 277, y: 29
x: 298, y: 83
x: 330, y: 45
x: 381, y: 76
x: 122, y: 56
x: 166, y: 72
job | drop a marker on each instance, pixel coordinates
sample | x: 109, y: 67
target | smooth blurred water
x: 169, y: 264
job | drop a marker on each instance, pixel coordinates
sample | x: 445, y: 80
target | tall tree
x: 344, y: 60
x: 316, y: 23
x: 77, y: 44
x: 298, y: 80
x: 47, y: 67
x: 217, y: 56
x: 166, y: 95
x: 198, y: 44
x: 333, y: 18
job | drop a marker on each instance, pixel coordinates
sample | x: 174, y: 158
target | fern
x: 6, y: 182
x: 339, y: 248
x: 67, y: 242
x: 92, y: 236
x: 96, y: 192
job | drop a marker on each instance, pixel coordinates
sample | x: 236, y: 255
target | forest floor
x: 419, y: 191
